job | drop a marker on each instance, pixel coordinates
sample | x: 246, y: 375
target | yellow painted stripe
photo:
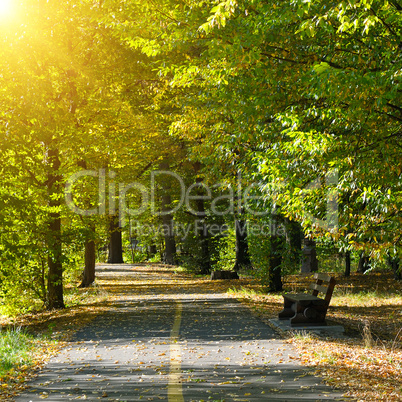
x: 175, y: 391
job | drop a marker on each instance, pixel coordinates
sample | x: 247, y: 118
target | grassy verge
x: 368, y: 373
x: 16, y: 349
x: 20, y: 353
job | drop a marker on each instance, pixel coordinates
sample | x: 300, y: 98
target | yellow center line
x: 175, y: 391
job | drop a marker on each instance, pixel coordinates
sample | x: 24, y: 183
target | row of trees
x: 301, y: 97
x: 73, y: 98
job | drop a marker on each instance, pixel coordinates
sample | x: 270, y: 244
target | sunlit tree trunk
x: 169, y: 255
x: 88, y: 276
x: 54, y: 298
x: 115, y: 255
x: 275, y: 257
x: 242, y: 254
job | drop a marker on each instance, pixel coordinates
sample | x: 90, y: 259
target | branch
x: 396, y: 5
x: 332, y: 64
x: 394, y: 107
x: 384, y: 23
x: 390, y: 115
x: 157, y: 9
x: 282, y: 58
x: 370, y: 146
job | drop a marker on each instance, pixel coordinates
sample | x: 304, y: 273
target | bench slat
x: 300, y: 296
x: 322, y: 277
x: 319, y: 288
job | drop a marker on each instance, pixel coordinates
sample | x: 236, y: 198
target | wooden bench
x: 302, y: 308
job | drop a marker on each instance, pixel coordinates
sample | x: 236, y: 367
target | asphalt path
x: 182, y: 347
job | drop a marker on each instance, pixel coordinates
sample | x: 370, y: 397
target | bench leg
x: 307, y: 315
x: 287, y: 311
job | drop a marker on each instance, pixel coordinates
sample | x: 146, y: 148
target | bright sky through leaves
x: 6, y: 7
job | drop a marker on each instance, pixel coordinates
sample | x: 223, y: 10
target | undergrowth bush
x: 23, y: 280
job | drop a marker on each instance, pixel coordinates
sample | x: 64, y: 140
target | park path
x: 164, y: 338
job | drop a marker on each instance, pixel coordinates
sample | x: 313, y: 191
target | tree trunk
x: 152, y: 250
x: 347, y: 263
x: 242, y: 254
x: 294, y: 236
x: 275, y: 258
x: 54, y: 299
x: 55, y: 267
x: 203, y: 235
x: 205, y: 257
x: 310, y: 262
x: 90, y: 259
x: 115, y: 255
x: 364, y: 264
x: 394, y: 263
x: 169, y: 255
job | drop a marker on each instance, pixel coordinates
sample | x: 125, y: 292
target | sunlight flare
x: 6, y: 8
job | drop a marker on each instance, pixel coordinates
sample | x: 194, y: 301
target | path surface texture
x: 166, y: 339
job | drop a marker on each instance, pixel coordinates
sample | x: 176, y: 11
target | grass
x: 303, y: 336
x: 74, y: 296
x: 31, y: 304
x: 16, y: 348
x: 20, y: 354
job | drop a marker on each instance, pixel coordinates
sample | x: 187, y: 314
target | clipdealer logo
x: 113, y: 197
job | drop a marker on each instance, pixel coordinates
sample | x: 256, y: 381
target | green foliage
x: 259, y: 246
x: 73, y: 98
x: 226, y: 248
x: 294, y: 94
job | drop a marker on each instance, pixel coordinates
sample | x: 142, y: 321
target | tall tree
x: 72, y: 92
